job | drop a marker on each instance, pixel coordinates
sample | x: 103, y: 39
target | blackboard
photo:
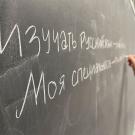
x: 63, y: 67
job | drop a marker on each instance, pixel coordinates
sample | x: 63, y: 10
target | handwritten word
x: 88, y: 42
x: 64, y: 41
x: 50, y: 90
x: 84, y: 73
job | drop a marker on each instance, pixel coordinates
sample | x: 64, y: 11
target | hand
x: 131, y: 61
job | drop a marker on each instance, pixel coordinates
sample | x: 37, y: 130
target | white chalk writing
x: 65, y: 41
x: 43, y: 87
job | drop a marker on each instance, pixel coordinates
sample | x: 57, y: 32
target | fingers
x: 131, y: 61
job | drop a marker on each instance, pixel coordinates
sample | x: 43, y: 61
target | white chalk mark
x: 62, y: 83
x: 15, y: 28
x: 34, y: 37
x: 36, y: 93
x: 64, y: 44
x: 26, y: 94
x: 47, y: 38
x: 56, y: 40
x: 53, y: 83
x: 74, y: 82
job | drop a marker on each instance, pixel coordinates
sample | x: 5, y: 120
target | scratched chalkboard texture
x: 63, y: 66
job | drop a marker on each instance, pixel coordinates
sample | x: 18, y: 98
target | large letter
x: 47, y: 39
x: 55, y: 85
x: 77, y: 81
x: 26, y: 94
x: 64, y: 45
x: 34, y: 37
x: 62, y: 82
x: 83, y: 38
x: 56, y: 40
x: 16, y: 27
x: 36, y: 93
